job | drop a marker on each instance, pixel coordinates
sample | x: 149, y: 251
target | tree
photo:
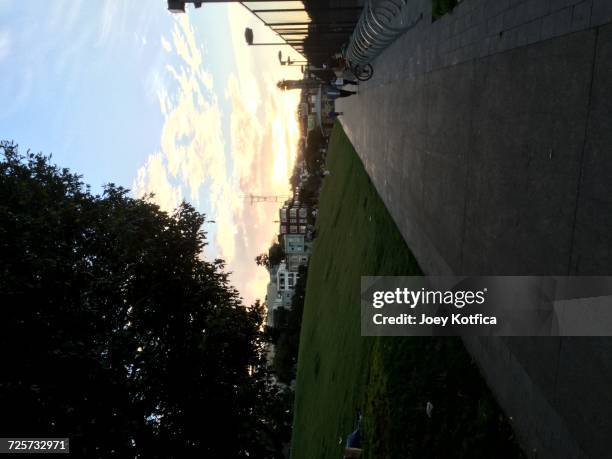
x: 309, y: 191
x: 274, y: 257
x: 116, y: 333
x: 263, y: 260
x: 288, y: 337
x: 312, y: 154
x: 276, y: 254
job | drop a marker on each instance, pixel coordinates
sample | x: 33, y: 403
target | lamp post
x: 248, y: 36
x: 288, y: 61
x: 178, y: 6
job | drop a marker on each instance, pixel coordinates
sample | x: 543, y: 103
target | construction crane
x: 257, y: 198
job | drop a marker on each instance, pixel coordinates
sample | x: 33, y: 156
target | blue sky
x: 122, y: 91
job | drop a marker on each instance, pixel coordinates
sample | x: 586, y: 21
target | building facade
x: 297, y: 250
x: 293, y: 218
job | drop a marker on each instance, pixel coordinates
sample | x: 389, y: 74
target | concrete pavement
x: 488, y: 135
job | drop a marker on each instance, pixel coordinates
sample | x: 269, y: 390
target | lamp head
x: 176, y: 6
x: 248, y: 35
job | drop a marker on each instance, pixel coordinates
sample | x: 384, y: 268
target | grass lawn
x: 389, y: 379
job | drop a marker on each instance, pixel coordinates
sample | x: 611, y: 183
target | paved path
x: 488, y: 134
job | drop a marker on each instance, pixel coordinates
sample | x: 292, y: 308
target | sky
x: 124, y: 92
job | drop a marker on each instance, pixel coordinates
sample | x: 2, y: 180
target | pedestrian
x: 335, y: 93
x: 339, y: 82
x: 335, y: 114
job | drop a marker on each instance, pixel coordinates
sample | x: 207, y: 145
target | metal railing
x: 380, y: 24
x: 296, y: 24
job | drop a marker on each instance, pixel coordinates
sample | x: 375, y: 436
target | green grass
x: 389, y: 379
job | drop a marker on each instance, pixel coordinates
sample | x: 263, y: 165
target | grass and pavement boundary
x: 388, y: 379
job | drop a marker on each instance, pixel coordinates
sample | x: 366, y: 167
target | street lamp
x: 248, y: 36
x: 178, y: 6
x: 288, y: 61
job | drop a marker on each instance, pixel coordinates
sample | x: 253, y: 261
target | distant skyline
x: 177, y: 105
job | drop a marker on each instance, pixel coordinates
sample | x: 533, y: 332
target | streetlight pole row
x: 307, y: 32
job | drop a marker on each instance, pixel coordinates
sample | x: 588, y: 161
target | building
x: 297, y: 250
x: 279, y: 292
x: 273, y: 302
x: 293, y: 218
x: 285, y: 281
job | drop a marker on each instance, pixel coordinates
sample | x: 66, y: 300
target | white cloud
x: 153, y: 178
x: 263, y: 137
x: 113, y: 20
x: 5, y: 44
x: 109, y: 12
x: 192, y: 147
x: 166, y: 45
x: 256, y: 157
x: 62, y: 14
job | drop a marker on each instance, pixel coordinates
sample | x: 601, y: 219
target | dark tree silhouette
x: 262, y: 260
x: 116, y: 333
x: 275, y: 256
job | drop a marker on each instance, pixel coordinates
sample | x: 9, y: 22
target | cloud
x: 191, y: 137
x: 20, y: 87
x: 166, y: 45
x: 198, y: 161
x: 113, y: 20
x: 109, y: 12
x: 246, y: 131
x: 62, y: 14
x: 153, y: 178
x: 192, y: 154
x: 263, y: 138
x: 5, y: 44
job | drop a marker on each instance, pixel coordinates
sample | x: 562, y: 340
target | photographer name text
x: 414, y: 298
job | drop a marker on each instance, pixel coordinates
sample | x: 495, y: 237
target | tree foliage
x: 288, y: 334
x: 312, y: 154
x: 263, y: 260
x: 274, y: 257
x: 276, y: 254
x: 115, y: 331
x: 309, y: 191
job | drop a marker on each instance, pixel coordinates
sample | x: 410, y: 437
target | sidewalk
x: 488, y: 134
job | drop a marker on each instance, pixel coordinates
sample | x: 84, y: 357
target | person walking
x: 336, y: 93
x: 339, y: 82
